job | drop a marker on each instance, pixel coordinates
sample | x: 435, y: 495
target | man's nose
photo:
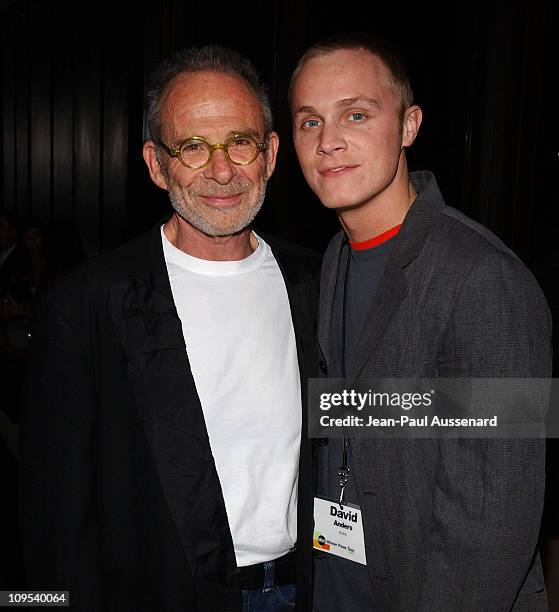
x: 331, y: 140
x: 220, y: 168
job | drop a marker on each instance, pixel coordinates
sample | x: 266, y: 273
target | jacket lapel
x: 302, y: 292
x: 150, y: 332
x: 330, y: 265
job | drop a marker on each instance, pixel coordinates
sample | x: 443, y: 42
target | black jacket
x: 121, y: 502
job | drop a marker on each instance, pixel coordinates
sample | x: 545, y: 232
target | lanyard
x: 343, y: 470
x: 343, y: 473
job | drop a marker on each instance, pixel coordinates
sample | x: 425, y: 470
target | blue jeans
x: 269, y: 598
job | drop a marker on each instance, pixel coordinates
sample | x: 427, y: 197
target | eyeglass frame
x: 176, y: 151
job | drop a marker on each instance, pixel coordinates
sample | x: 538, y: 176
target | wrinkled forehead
x: 210, y: 101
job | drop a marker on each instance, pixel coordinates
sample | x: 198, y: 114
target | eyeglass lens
x: 196, y: 153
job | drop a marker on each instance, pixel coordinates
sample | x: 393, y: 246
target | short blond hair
x: 361, y: 41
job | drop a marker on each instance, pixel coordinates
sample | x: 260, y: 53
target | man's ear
x: 271, y: 153
x: 412, y: 121
x: 153, y: 165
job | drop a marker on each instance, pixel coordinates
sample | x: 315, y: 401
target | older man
x: 162, y: 433
x: 411, y: 288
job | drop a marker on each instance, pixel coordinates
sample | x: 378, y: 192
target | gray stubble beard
x: 194, y: 216
x: 216, y: 222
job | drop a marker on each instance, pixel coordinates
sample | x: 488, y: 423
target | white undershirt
x: 239, y: 337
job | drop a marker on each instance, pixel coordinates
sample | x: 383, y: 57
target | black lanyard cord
x: 343, y: 470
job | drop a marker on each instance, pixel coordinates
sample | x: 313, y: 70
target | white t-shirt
x: 239, y: 337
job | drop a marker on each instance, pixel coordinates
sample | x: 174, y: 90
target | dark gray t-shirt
x: 340, y: 584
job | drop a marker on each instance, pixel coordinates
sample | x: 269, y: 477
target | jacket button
x: 323, y: 367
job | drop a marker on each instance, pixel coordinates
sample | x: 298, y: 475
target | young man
x: 411, y: 288
x: 162, y: 431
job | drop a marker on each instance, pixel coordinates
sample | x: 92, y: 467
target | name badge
x: 339, y: 531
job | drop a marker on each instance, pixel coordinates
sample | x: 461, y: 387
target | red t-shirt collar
x: 373, y: 242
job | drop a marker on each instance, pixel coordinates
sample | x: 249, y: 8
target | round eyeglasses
x: 196, y: 152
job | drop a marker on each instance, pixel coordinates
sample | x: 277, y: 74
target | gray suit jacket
x: 450, y: 525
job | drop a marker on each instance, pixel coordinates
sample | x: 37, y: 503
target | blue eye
x: 311, y: 123
x: 357, y: 116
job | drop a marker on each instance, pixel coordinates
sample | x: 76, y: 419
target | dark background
x: 71, y: 114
